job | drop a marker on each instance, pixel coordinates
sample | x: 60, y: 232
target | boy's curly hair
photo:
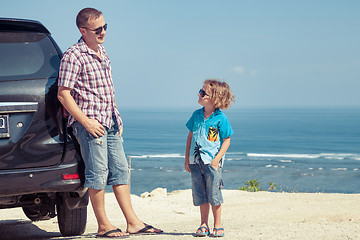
x: 219, y: 93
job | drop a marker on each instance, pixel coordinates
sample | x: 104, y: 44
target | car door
x: 31, y: 119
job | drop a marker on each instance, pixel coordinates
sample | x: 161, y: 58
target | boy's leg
x: 98, y: 204
x: 217, y: 219
x: 199, y: 196
x: 214, y: 183
x: 217, y: 216
x: 204, y: 213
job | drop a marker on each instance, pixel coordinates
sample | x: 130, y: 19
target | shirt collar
x: 82, y: 45
x: 216, y: 112
x: 85, y: 48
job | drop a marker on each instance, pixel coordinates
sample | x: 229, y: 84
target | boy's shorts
x: 104, y: 157
x: 206, y: 184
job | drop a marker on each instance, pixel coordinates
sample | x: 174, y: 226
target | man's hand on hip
x: 94, y: 127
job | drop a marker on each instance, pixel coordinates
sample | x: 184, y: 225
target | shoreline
x: 245, y: 215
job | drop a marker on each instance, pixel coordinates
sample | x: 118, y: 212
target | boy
x: 208, y: 141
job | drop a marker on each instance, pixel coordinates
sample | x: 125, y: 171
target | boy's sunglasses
x: 202, y: 93
x: 98, y: 30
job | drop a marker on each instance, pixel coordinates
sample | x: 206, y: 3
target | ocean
x: 298, y: 149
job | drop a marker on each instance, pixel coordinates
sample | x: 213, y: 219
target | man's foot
x: 202, y: 231
x: 115, y: 233
x: 218, y: 232
x: 145, y: 229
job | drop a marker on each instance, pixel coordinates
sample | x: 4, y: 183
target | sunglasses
x: 202, y: 93
x: 99, y: 30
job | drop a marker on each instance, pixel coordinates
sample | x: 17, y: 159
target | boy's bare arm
x: 223, y: 149
x: 187, y: 152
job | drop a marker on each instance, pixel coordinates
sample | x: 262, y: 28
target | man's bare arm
x: 91, y: 125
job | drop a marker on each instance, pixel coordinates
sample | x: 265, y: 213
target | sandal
x: 145, y: 231
x: 107, y: 234
x: 216, y: 234
x: 201, y: 233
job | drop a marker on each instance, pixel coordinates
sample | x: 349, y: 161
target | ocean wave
x: 233, y: 159
x: 236, y: 153
x: 308, y: 174
x: 274, y: 166
x: 286, y: 161
x: 336, y: 156
x: 283, y: 155
x: 165, y: 155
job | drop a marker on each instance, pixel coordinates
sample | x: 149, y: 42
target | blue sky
x: 272, y: 53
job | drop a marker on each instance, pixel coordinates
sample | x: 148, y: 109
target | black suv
x: 41, y: 169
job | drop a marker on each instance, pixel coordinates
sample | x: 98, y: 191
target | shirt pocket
x: 213, y: 134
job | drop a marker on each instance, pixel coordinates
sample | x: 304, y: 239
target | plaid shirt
x: 90, y: 79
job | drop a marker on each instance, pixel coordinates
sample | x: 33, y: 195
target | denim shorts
x: 104, y: 157
x: 206, y: 184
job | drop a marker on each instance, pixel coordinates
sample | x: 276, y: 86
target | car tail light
x: 70, y: 176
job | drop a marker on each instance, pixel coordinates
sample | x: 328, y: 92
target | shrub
x: 254, y: 186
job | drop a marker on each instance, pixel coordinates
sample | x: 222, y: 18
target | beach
x: 246, y: 215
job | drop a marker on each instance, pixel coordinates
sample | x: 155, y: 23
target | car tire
x: 37, y: 213
x: 72, y: 222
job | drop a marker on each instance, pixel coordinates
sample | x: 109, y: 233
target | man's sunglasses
x: 202, y: 93
x: 99, y: 30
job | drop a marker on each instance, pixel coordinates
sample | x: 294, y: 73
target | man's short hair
x: 85, y: 14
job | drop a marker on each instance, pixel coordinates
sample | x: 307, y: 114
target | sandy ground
x: 260, y: 215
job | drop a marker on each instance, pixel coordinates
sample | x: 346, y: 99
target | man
x: 86, y: 91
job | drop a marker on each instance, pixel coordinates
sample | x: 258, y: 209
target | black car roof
x: 26, y: 25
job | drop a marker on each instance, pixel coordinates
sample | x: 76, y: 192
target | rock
x: 145, y: 195
x: 155, y: 193
x: 158, y: 192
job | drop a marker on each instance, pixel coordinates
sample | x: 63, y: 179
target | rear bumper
x: 28, y: 181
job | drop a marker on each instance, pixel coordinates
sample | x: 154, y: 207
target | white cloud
x: 253, y: 72
x: 239, y: 70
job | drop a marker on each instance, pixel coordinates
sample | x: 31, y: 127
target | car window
x: 27, y: 55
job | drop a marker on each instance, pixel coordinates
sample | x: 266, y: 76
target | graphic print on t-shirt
x: 213, y: 134
x: 197, y: 152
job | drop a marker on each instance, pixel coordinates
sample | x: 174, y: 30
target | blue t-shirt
x: 208, y: 135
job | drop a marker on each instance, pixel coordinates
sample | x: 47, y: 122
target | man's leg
x: 97, y: 198
x: 134, y: 224
x: 94, y: 153
x: 119, y: 178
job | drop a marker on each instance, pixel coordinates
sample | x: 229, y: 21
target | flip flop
x: 201, y: 233
x: 216, y: 234
x: 144, y: 231
x: 106, y: 235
